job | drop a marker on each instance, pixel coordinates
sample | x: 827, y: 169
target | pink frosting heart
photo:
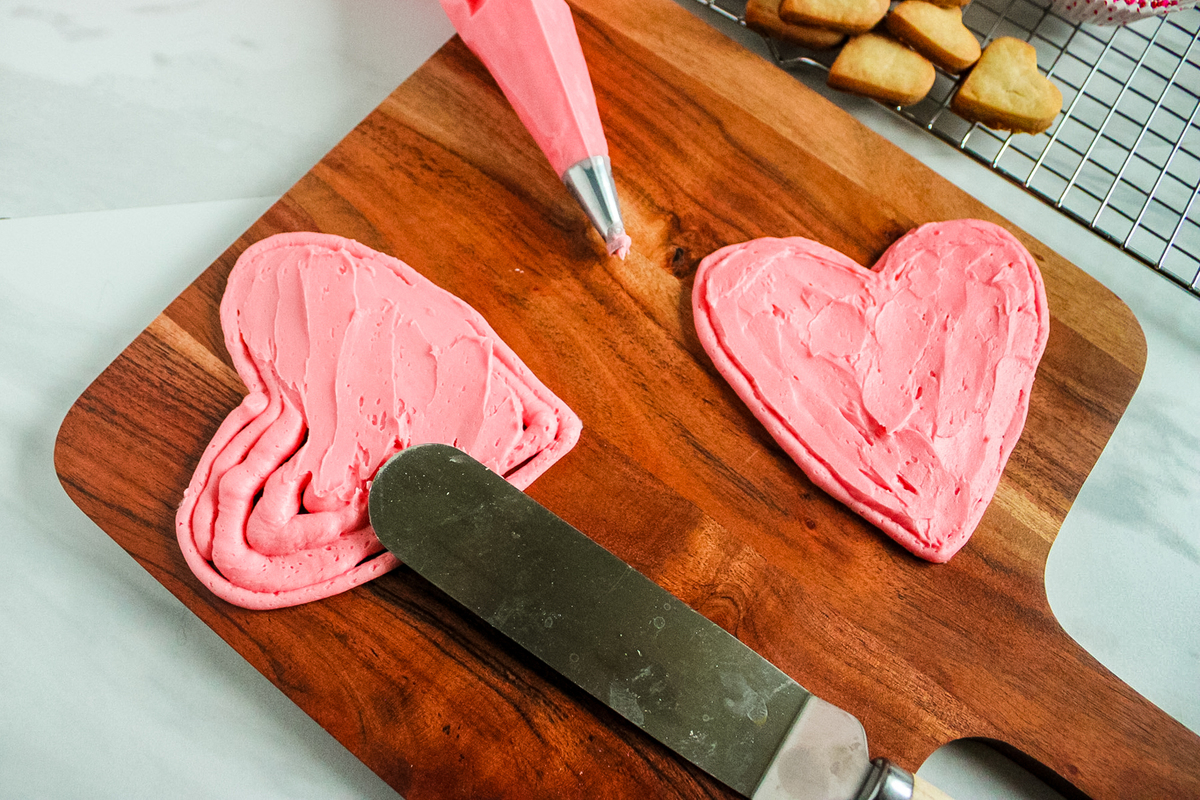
x: 900, y: 391
x: 349, y: 356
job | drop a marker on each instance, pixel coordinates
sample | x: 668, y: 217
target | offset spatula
x: 620, y: 637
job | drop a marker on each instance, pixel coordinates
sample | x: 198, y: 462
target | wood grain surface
x: 711, y: 146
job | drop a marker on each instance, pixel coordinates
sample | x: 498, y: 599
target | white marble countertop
x: 137, y: 140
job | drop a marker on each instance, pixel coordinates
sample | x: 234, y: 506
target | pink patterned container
x: 1116, y: 12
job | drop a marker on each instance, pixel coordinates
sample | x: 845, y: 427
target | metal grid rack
x: 1123, y: 157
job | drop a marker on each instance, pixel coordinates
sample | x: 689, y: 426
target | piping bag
x: 532, y: 50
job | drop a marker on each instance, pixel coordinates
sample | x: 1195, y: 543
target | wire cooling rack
x: 1123, y: 157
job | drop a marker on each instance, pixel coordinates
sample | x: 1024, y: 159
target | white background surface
x: 137, y: 140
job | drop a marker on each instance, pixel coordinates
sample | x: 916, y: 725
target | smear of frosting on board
x: 349, y: 355
x: 901, y: 390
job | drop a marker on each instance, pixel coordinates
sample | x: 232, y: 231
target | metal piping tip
x: 591, y: 183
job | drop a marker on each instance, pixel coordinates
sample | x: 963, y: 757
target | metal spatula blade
x: 619, y: 636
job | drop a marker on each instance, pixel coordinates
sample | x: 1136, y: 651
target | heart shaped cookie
x: 847, y: 16
x: 348, y: 355
x: 901, y: 390
x: 1006, y: 91
x: 763, y: 16
x: 935, y: 32
x: 878, y: 66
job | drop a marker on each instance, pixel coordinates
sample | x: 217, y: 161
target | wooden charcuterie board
x: 711, y: 145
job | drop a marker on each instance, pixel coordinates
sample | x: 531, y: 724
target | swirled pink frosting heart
x: 901, y: 390
x: 349, y: 356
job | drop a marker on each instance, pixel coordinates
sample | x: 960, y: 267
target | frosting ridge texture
x: 349, y: 355
x: 900, y: 391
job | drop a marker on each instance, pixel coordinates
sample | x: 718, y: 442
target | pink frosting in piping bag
x: 900, y: 391
x: 349, y: 355
x: 531, y: 49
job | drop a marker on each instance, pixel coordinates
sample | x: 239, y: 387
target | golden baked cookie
x: 935, y: 32
x: 848, y: 16
x: 763, y: 16
x: 959, y: 4
x: 878, y: 66
x: 1006, y: 91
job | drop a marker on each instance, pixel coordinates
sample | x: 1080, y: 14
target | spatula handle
x: 887, y: 781
x: 924, y: 790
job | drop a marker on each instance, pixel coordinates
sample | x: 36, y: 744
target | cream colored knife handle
x: 924, y: 790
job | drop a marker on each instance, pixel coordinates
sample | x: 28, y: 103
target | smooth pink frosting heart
x: 901, y: 390
x: 349, y: 355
